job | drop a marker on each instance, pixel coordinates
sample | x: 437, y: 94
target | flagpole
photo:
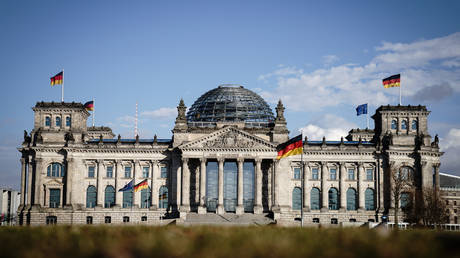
x: 400, y: 94
x: 302, y: 184
x: 94, y: 111
x: 62, y: 88
x: 367, y: 120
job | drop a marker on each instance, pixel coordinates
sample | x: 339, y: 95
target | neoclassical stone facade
x: 221, y: 160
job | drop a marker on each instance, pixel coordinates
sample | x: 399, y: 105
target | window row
x: 404, y: 124
x: 333, y: 199
x: 351, y: 174
x: 52, y: 220
x: 127, y: 172
x: 109, y: 197
x: 58, y: 121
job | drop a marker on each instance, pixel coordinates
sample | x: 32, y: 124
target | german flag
x: 392, y: 81
x: 89, y: 105
x: 142, y: 185
x: 57, y: 79
x: 292, y: 147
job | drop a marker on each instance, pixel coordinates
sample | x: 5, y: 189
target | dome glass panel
x: 230, y: 103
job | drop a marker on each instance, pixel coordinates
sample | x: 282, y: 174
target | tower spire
x: 135, y: 126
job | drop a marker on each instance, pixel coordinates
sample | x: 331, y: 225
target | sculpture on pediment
x: 229, y: 140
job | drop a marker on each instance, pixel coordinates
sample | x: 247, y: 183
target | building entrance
x: 230, y: 185
x: 212, y: 174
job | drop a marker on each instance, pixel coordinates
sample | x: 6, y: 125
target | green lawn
x: 239, y: 242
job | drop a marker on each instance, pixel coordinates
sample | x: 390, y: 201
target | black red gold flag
x: 292, y: 147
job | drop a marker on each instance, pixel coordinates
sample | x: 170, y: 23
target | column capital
x: 69, y: 159
x: 360, y: 164
x: 220, y: 160
x: 185, y: 160
x: 137, y: 162
x: 240, y: 160
x: 154, y: 162
x: 100, y: 161
x: 306, y: 163
x: 203, y: 160
x: 118, y: 161
x: 258, y: 160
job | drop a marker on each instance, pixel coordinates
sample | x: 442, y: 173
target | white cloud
x: 330, y: 59
x: 418, y: 62
x: 337, y: 127
x: 450, y: 144
x: 163, y: 112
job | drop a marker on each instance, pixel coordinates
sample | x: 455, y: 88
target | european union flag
x: 361, y: 109
x: 127, y: 187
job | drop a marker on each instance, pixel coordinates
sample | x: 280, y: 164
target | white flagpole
x: 62, y: 88
x: 94, y: 110
x: 367, y: 116
x: 400, y: 103
x: 302, y: 182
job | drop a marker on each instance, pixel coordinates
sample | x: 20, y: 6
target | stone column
x: 306, y: 194
x: 202, y: 201
x: 30, y: 169
x: 69, y: 180
x: 185, y: 207
x: 324, y: 191
x: 38, y: 181
x: 269, y: 187
x: 137, y: 176
x: 118, y: 184
x: 100, y: 195
x: 360, y: 186
x: 153, y: 187
x: 240, y: 207
x: 275, y: 184
x: 342, y: 187
x: 220, y: 204
x: 381, y: 187
x: 437, y: 176
x: 23, y: 178
x: 258, y: 202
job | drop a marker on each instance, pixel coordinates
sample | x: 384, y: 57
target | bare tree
x: 429, y: 210
x: 402, y: 180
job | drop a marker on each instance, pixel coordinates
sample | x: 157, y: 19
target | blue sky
x: 322, y: 58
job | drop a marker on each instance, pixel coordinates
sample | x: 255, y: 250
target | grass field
x: 174, y: 241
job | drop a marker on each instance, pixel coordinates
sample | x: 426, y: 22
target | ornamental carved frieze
x: 230, y: 140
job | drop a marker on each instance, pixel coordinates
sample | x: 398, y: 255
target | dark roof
x: 59, y: 105
x: 130, y: 140
x: 99, y: 128
x: 230, y: 103
x: 446, y: 180
x: 358, y: 130
x: 402, y: 108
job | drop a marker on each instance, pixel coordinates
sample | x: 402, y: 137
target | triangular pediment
x: 229, y: 138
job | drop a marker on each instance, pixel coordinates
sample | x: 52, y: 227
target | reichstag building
x: 220, y: 166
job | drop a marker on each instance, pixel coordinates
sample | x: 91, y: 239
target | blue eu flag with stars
x: 361, y: 109
x: 129, y: 186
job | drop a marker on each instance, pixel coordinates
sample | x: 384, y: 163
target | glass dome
x: 230, y: 103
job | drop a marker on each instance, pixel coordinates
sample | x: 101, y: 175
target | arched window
x: 58, y: 121
x: 55, y: 170
x: 404, y: 125
x: 333, y: 199
x: 414, y: 124
x: 68, y: 121
x: 47, y: 121
x: 394, y: 124
x: 407, y: 173
x: 163, y: 197
x: 314, y: 199
x: 296, y: 198
x: 146, y: 201
x: 352, y: 199
x: 109, y: 199
x: 404, y: 200
x: 369, y: 199
x: 127, y: 199
x: 91, y: 196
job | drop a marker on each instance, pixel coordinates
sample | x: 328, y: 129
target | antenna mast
x: 135, y: 126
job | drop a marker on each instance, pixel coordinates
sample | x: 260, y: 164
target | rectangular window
x: 108, y: 220
x: 125, y: 219
x: 47, y: 121
x: 68, y: 121
x: 369, y: 174
x: 51, y: 220
x: 145, y: 172
x: 333, y: 174
x: 351, y: 174
x: 109, y: 171
x: 315, y: 220
x: 55, y: 198
x: 314, y: 173
x: 89, y: 220
x: 144, y: 218
x: 58, y: 121
x: 127, y: 172
x: 91, y: 171
x: 296, y: 173
x: 164, y: 172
